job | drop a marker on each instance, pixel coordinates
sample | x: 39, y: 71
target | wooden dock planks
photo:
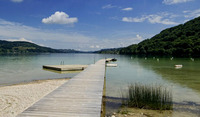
x: 81, y: 96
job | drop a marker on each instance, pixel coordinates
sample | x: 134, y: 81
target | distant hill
x: 21, y: 47
x: 182, y: 40
x: 109, y: 51
x: 71, y: 51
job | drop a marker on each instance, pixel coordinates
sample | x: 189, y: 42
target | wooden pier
x: 81, y: 96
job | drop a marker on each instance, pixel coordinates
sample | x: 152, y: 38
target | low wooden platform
x: 111, y: 65
x: 81, y: 96
x: 65, y: 67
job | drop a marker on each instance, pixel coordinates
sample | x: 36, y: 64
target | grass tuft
x: 148, y: 97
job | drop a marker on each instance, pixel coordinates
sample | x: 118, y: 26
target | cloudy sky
x: 91, y: 24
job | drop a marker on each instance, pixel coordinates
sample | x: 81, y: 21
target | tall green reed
x: 153, y: 97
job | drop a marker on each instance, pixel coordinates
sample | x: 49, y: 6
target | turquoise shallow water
x: 25, y: 68
x: 184, y: 83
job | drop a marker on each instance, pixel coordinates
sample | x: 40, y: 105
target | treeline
x: 109, y: 51
x: 19, y: 47
x: 182, y: 40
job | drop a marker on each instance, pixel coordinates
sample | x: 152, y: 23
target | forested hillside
x: 109, y: 51
x: 7, y: 47
x: 181, y: 40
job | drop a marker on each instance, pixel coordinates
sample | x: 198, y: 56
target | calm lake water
x: 184, y: 83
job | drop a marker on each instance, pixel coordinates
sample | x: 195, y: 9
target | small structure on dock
x: 111, y: 65
x: 65, y: 67
x: 108, y: 64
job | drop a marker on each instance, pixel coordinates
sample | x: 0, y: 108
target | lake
x: 183, y: 82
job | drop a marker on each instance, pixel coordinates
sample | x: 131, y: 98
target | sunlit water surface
x: 184, y: 82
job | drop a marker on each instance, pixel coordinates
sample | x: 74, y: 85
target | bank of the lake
x: 16, y: 98
x: 184, y: 83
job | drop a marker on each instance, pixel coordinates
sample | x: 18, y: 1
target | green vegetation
x: 20, y: 47
x: 148, y: 97
x: 181, y: 40
x: 109, y: 51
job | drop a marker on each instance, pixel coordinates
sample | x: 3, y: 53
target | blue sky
x: 91, y: 24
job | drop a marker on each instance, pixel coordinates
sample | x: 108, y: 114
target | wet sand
x: 16, y: 98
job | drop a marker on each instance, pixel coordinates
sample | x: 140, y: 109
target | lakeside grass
x: 153, y: 97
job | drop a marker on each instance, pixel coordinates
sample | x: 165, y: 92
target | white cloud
x: 52, y: 38
x: 120, y: 40
x: 192, y: 14
x: 17, y: 0
x: 127, y: 9
x: 127, y: 19
x: 59, y: 18
x: 95, y: 46
x: 170, y: 2
x: 115, y: 42
x: 92, y: 46
x: 108, y: 6
x: 4, y: 22
x: 161, y: 18
x: 64, y: 39
x: 139, y: 37
x: 20, y: 39
x: 130, y: 19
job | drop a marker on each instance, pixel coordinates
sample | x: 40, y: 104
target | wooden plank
x: 81, y: 96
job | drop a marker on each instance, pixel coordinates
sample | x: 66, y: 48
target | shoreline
x: 115, y: 109
x: 16, y: 98
x: 31, y: 81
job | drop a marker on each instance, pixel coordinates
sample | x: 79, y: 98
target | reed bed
x: 148, y: 97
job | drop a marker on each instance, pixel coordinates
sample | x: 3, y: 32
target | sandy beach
x: 16, y: 98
